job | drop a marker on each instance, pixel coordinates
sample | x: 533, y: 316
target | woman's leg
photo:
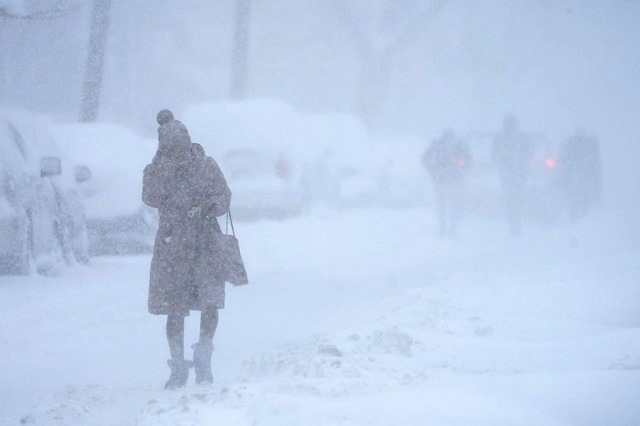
x: 179, y: 367
x: 175, y: 336
x: 203, y: 350
x: 208, y: 324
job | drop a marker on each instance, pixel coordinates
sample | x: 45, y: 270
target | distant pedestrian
x: 512, y: 155
x: 447, y: 160
x: 189, y: 191
x: 580, y: 169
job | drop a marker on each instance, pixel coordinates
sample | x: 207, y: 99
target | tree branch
x: 414, y: 27
x: 42, y: 15
x: 362, y: 44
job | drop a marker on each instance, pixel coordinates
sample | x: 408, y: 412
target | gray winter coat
x: 185, y: 269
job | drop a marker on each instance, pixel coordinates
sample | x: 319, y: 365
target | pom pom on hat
x: 164, y: 116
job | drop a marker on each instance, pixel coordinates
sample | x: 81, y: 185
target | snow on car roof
x: 273, y: 125
x: 27, y: 140
x: 116, y: 156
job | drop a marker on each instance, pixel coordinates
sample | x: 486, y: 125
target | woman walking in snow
x: 189, y: 191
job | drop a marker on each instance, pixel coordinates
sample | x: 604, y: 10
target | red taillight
x: 283, y: 170
x: 550, y: 162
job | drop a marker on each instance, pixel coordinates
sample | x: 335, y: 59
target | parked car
x: 389, y: 174
x: 281, y: 162
x: 118, y: 221
x: 42, y: 219
x: 263, y: 184
x: 253, y: 142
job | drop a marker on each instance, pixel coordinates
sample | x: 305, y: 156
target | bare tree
x: 94, y: 68
x: 239, y: 62
x: 377, y: 54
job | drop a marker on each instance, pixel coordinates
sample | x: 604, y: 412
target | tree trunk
x: 240, y: 62
x: 95, y: 60
x: 373, y: 88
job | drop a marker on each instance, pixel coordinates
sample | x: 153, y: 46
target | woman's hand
x: 195, y: 211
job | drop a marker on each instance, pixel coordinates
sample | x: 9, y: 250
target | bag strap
x: 229, y: 220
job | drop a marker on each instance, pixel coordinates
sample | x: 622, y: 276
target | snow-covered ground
x: 356, y: 318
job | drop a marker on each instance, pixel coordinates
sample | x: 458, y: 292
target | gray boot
x: 179, y: 373
x: 202, y: 362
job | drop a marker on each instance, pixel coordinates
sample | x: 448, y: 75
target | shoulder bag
x: 233, y: 269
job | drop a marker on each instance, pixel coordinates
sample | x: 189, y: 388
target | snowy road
x: 358, y: 318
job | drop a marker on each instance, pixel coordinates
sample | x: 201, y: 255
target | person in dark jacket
x: 447, y: 160
x: 189, y: 191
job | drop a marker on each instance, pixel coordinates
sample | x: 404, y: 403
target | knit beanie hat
x: 171, y: 133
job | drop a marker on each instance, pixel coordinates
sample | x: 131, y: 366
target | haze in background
x: 350, y: 305
x: 558, y: 65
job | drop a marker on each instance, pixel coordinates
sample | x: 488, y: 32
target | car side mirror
x: 50, y: 166
x: 82, y: 174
